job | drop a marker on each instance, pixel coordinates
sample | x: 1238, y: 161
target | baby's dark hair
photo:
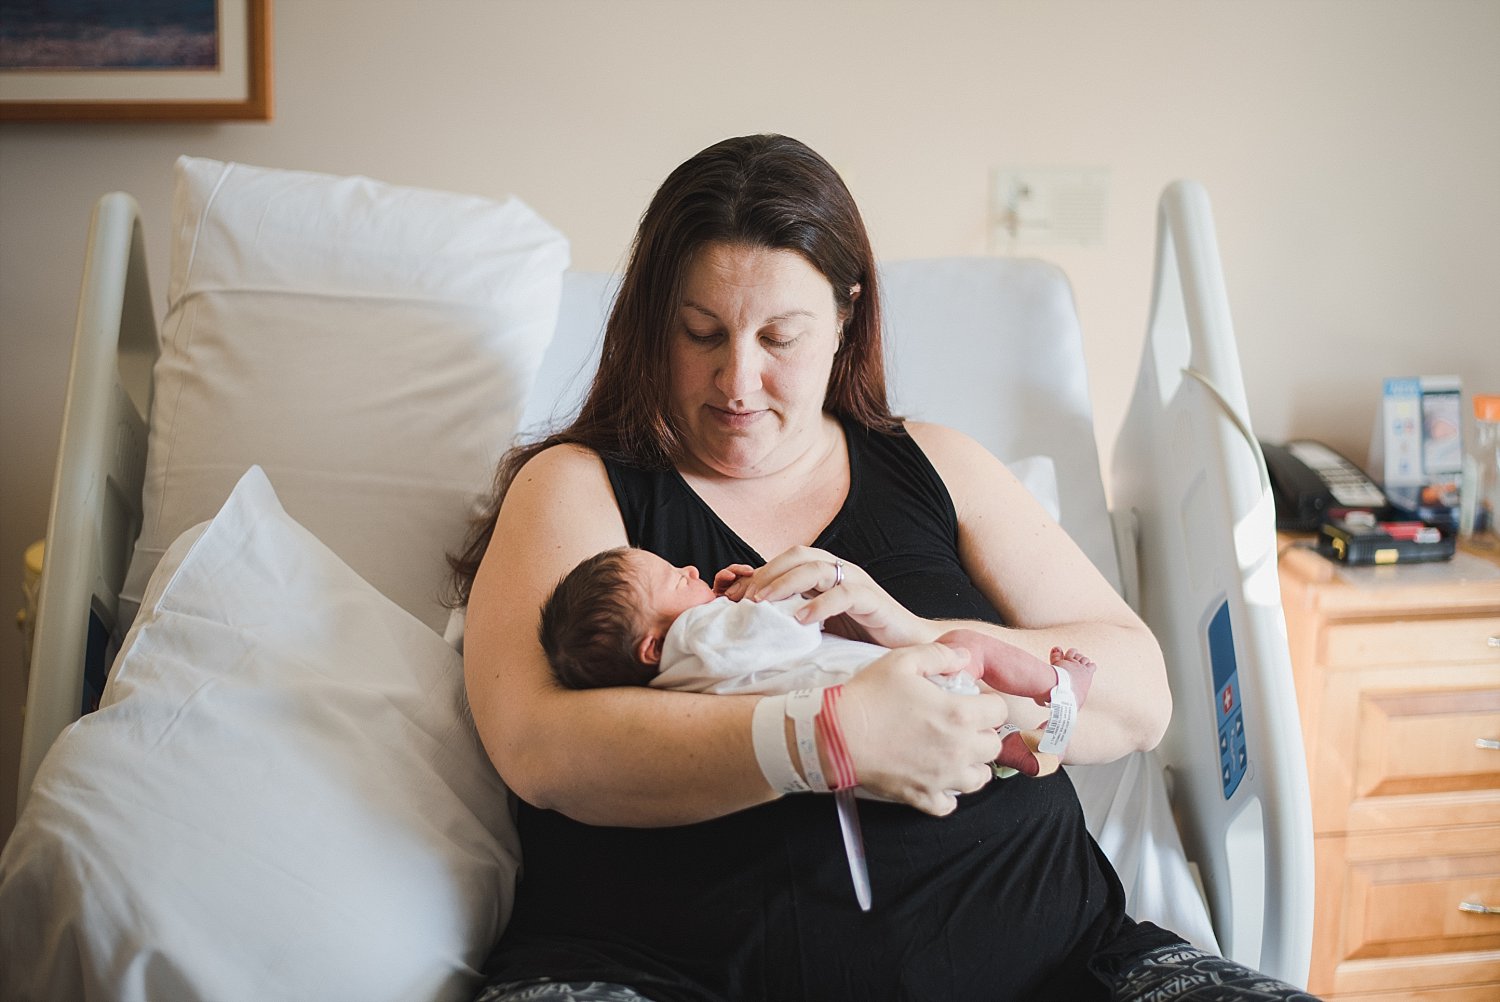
x: 591, y: 623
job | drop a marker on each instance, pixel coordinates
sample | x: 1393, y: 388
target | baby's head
x: 605, y: 622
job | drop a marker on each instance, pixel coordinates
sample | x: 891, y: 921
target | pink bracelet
x: 842, y: 777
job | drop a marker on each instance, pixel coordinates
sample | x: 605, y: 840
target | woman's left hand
x: 840, y: 592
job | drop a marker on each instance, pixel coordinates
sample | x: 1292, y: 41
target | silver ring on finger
x: 838, y: 574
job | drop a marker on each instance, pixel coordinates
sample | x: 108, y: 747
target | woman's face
x: 750, y: 357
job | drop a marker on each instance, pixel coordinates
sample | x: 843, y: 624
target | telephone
x: 1308, y: 478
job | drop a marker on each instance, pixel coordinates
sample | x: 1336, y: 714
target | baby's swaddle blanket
x: 759, y: 647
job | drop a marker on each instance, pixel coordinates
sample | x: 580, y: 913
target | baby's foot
x: 1079, y: 668
x: 1018, y: 754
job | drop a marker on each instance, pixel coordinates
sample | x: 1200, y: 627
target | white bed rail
x: 1190, y: 493
x: 96, y: 490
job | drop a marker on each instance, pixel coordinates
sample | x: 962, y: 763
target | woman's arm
x: 642, y: 757
x: 1052, y: 595
x: 1032, y: 573
x: 619, y: 756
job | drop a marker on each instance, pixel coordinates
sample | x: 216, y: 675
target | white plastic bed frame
x: 1193, y: 550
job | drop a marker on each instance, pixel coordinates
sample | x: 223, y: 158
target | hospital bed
x: 281, y: 793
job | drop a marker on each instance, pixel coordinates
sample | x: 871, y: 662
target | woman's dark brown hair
x: 761, y: 191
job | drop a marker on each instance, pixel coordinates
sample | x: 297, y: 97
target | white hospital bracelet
x: 803, y: 706
x: 999, y: 771
x: 768, y: 731
x: 1060, y: 718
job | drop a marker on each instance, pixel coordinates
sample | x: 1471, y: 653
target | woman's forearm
x: 632, y: 757
x: 637, y: 757
x: 1128, y: 705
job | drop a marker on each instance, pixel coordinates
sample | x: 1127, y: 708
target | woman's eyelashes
x: 771, y: 339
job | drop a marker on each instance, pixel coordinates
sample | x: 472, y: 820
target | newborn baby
x: 628, y: 617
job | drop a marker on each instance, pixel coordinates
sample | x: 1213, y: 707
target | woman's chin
x: 733, y: 451
x: 737, y: 456
x: 735, y: 466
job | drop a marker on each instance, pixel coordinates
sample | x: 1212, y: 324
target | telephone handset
x: 1308, y: 478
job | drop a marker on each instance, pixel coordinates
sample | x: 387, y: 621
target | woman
x: 739, y: 412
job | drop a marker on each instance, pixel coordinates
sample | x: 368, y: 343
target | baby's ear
x: 648, y: 652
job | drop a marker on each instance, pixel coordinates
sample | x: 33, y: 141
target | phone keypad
x: 1346, y: 482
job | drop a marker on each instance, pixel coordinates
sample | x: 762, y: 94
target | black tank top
x: 1006, y: 898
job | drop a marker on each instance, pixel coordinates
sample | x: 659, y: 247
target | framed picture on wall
x: 146, y: 60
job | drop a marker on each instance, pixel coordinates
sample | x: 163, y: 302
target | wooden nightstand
x: 1398, y: 681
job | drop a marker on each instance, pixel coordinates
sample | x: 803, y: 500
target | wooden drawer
x: 1389, y: 916
x: 1427, y: 742
x: 1395, y: 747
x: 1396, y: 679
x: 1413, y: 641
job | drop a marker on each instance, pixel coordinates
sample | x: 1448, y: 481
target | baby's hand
x: 725, y: 580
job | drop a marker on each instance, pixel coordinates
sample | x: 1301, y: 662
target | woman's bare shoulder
x: 941, y: 438
x: 564, y: 461
x: 562, y: 487
x: 977, y: 480
x: 559, y: 510
x: 951, y: 451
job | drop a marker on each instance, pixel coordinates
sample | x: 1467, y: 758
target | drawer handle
x: 1487, y: 743
x: 1477, y: 908
x: 1494, y: 641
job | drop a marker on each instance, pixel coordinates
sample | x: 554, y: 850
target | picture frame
x: 214, y: 65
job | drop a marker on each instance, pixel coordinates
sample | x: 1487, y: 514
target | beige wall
x: 1351, y: 147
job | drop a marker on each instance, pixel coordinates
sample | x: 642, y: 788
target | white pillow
x: 282, y: 797
x: 370, y: 346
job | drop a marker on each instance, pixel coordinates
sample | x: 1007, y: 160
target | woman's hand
x: 840, y: 592
x: 912, y: 742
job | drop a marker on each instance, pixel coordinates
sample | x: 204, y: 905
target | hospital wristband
x: 803, y: 706
x: 833, y: 740
x: 999, y: 771
x: 768, y: 732
x: 1062, y: 712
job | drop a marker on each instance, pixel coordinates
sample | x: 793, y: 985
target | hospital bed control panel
x: 1234, y: 756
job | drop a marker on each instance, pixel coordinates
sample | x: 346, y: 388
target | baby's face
x: 666, y: 591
